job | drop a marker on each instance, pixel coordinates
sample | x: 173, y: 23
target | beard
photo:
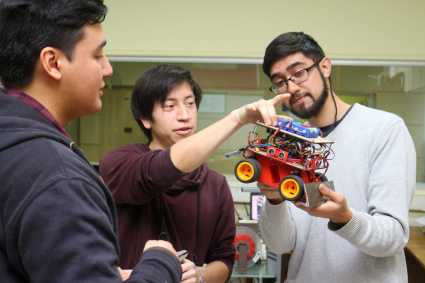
x: 306, y: 113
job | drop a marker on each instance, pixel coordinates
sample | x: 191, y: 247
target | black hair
x: 28, y: 26
x: 289, y: 43
x: 154, y: 86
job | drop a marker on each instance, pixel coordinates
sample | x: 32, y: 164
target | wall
x: 363, y: 29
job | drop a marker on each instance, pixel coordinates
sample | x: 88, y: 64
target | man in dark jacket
x: 57, y: 217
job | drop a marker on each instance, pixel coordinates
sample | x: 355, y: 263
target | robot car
x: 287, y: 159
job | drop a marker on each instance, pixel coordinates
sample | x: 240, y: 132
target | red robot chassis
x: 284, y: 160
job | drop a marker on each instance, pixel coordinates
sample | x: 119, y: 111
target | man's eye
x: 299, y: 73
x: 168, y: 106
x: 279, y: 84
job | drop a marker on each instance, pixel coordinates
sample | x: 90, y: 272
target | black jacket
x: 57, y: 217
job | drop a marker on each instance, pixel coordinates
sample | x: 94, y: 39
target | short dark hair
x: 154, y: 86
x: 289, y: 43
x: 28, y: 26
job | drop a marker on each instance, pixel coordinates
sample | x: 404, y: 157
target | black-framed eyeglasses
x: 298, y: 77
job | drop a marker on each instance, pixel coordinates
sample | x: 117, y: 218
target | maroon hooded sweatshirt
x: 151, y: 192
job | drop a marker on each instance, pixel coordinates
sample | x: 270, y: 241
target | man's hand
x: 125, y: 273
x: 160, y: 243
x: 335, y: 208
x: 190, y: 273
x: 271, y: 193
x: 263, y: 110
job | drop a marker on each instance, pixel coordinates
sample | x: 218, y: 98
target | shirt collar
x: 37, y: 106
x: 326, y: 130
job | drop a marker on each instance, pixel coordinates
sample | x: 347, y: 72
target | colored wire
x: 301, y: 151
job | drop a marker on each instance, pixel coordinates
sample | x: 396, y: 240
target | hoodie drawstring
x: 195, y: 256
x: 162, y: 234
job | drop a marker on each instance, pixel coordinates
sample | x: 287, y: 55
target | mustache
x: 298, y: 95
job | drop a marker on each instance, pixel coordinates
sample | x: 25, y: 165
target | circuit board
x: 312, y: 140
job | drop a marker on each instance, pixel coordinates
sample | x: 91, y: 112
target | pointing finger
x: 280, y: 98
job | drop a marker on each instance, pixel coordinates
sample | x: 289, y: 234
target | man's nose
x: 183, y: 113
x: 107, y: 68
x: 292, y: 87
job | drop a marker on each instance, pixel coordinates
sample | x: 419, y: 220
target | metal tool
x: 182, y: 254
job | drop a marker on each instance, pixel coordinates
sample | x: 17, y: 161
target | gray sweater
x: 375, y: 169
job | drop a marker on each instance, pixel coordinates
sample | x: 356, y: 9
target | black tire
x: 322, y: 179
x: 248, y: 170
x: 291, y: 188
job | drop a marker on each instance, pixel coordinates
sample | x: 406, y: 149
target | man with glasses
x: 359, y: 234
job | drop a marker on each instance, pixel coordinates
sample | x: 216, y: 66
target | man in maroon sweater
x: 165, y: 189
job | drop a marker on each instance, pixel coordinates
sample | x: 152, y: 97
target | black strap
x: 162, y: 234
x: 195, y: 256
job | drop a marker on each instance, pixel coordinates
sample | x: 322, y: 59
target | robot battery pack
x: 298, y: 128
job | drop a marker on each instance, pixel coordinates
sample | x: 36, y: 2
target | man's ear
x: 326, y: 66
x: 146, y: 123
x: 51, y: 60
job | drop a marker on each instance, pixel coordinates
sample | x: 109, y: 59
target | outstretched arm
x: 190, y: 153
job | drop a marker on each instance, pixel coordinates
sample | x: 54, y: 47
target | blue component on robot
x: 298, y: 128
